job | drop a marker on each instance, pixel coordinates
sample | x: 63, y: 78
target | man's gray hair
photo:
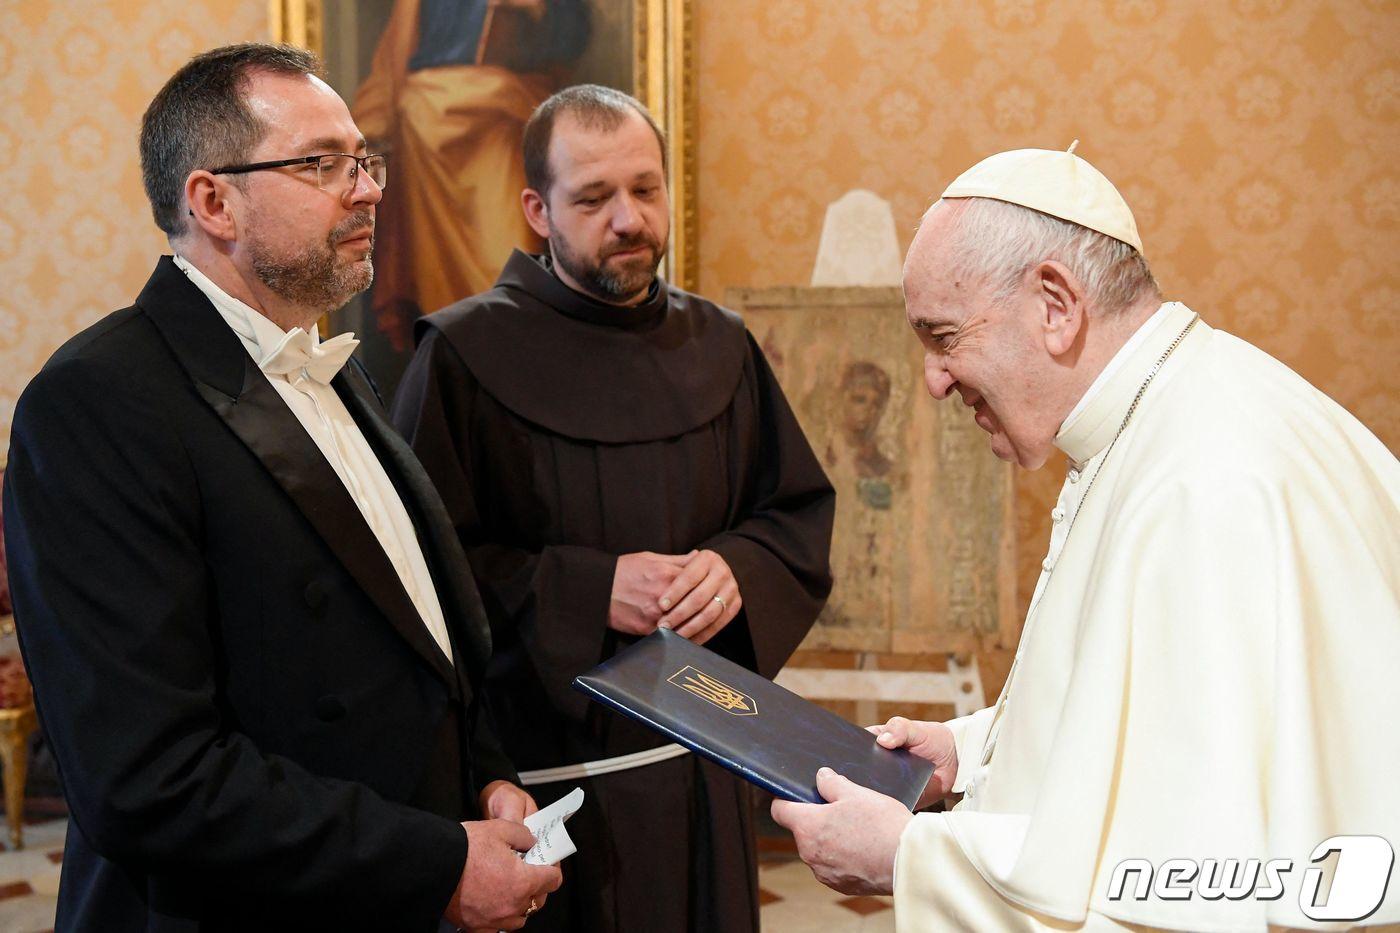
x: 199, y: 120
x: 997, y: 242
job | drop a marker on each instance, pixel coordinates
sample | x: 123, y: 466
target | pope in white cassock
x: 1208, y: 682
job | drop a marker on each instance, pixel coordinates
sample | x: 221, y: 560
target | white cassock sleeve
x: 969, y: 735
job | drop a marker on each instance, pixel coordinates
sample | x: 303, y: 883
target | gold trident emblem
x: 713, y: 691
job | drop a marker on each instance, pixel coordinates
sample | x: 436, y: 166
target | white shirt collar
x: 260, y: 336
x: 1119, y: 358
x: 1096, y: 421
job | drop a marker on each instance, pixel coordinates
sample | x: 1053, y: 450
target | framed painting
x: 444, y: 87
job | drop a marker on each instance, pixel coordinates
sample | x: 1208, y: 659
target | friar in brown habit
x: 617, y: 455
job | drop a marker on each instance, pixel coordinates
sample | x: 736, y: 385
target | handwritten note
x: 552, y: 842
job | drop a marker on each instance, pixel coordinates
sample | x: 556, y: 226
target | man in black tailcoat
x: 255, y: 643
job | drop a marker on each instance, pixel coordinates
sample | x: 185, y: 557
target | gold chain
x: 1016, y: 661
x: 1152, y: 374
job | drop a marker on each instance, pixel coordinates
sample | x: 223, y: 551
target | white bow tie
x: 297, y: 357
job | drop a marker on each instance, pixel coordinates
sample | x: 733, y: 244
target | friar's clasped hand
x: 695, y: 594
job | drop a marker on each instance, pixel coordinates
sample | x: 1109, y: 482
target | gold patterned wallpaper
x: 1256, y: 140
x: 76, y: 235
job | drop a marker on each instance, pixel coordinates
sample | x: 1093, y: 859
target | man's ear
x: 208, y: 206
x: 1062, y: 299
x: 536, y: 211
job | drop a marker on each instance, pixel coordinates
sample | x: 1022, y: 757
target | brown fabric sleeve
x: 780, y: 550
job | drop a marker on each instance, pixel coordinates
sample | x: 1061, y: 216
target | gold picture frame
x: 665, y: 82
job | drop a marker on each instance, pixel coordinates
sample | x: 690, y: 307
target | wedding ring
x: 722, y: 606
x: 532, y: 908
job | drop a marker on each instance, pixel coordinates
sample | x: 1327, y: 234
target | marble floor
x: 29, y: 878
x: 793, y: 902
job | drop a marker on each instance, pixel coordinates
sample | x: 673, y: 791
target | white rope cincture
x: 602, y: 766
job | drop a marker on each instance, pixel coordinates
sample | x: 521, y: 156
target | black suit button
x: 315, y: 595
x: 330, y: 708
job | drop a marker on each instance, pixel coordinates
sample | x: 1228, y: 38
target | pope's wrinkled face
x: 607, y: 213
x: 988, y: 353
x: 309, y: 244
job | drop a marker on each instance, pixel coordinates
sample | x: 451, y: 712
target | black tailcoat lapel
x: 457, y: 591
x: 228, y: 380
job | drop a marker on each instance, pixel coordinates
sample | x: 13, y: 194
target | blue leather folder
x: 745, y: 722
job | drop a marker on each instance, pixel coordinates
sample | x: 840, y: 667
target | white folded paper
x: 552, y: 842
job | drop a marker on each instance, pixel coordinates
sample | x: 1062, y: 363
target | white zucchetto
x: 1060, y: 184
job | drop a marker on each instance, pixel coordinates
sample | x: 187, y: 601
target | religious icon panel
x: 921, y: 551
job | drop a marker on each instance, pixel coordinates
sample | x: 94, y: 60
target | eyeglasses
x: 335, y: 171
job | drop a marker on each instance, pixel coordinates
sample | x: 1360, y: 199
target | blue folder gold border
x: 741, y: 720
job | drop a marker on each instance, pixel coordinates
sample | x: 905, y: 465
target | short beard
x: 317, y: 279
x: 631, y: 278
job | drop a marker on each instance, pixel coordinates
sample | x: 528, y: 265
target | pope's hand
x: 931, y: 741
x: 703, y: 598
x: 850, y: 841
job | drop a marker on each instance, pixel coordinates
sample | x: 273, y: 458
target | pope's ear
x: 536, y: 211
x: 1061, y: 297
